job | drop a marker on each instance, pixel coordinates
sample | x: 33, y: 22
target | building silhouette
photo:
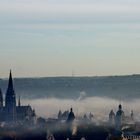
x: 91, y: 116
x: 12, y: 113
x: 112, y: 118
x: 120, y: 118
x: 132, y: 115
x: 63, y: 115
x: 59, y: 115
x: 71, y: 116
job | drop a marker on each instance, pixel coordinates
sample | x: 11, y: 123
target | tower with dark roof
x: 71, y: 116
x: 10, y: 100
x: 119, y: 117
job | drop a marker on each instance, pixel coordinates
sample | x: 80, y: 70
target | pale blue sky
x: 56, y: 37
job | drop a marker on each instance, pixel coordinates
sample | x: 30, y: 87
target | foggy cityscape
x: 69, y: 70
x: 85, y: 117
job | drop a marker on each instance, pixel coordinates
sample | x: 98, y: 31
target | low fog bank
x: 115, y: 87
x: 100, y: 107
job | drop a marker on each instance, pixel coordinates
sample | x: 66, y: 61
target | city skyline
x: 55, y: 38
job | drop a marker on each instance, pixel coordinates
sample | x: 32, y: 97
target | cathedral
x: 11, y: 112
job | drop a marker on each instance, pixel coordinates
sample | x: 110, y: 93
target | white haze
x: 99, y: 106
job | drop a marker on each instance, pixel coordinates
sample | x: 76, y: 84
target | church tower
x: 119, y: 117
x: 10, y: 101
x: 1, y: 99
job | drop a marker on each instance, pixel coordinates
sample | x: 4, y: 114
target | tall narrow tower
x: 10, y: 101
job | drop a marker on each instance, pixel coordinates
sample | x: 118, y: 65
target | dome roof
x: 120, y: 106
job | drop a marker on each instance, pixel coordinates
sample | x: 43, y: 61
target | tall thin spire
x: 10, y: 84
x: 10, y: 100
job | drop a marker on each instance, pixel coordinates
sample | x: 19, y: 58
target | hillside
x: 71, y: 87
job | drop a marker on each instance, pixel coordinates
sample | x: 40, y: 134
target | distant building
x: 59, y: 115
x: 63, y: 115
x: 12, y: 113
x: 132, y: 115
x: 71, y: 116
x: 119, y: 120
x: 91, y: 116
x: 112, y: 118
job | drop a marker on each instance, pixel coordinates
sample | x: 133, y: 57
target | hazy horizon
x: 71, y: 75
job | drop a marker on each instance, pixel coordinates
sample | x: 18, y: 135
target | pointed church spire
x: 10, y: 100
x: 10, y: 84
